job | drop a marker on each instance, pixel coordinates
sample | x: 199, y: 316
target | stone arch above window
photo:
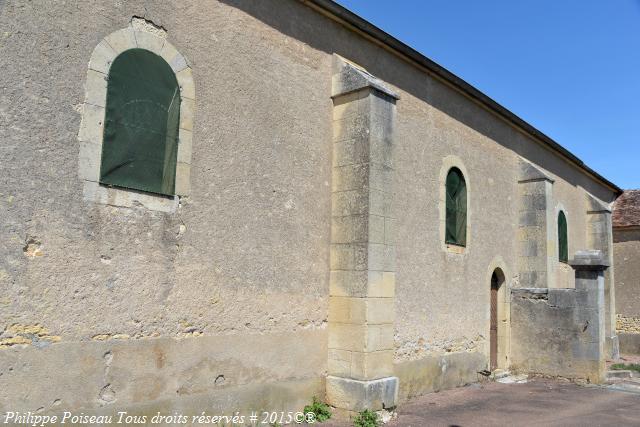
x: 454, y: 205
x: 139, y: 36
x: 563, y: 237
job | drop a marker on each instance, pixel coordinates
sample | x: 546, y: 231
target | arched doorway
x: 498, y: 321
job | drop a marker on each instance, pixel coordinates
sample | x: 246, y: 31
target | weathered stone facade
x: 303, y: 253
x: 626, y: 255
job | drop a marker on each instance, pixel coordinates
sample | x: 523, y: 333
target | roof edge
x: 343, y: 16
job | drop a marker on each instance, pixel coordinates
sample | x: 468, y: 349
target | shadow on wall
x: 303, y: 23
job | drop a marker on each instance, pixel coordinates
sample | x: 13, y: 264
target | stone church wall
x: 226, y: 298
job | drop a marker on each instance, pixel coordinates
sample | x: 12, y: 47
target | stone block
x: 89, y: 161
x: 341, y: 257
x: 371, y: 366
x: 351, y: 104
x: 349, y: 229
x: 562, y: 298
x: 348, y: 310
x: 102, y: 57
x: 351, y: 177
x: 389, y: 258
x: 355, y: 127
x: 347, y: 336
x: 383, y: 107
x: 185, y: 141
x: 350, y: 151
x: 349, y: 283
x: 348, y: 77
x: 187, y: 109
x: 379, y: 203
x: 528, y: 248
x: 530, y: 218
x: 176, y: 61
x: 149, y: 41
x: 360, y: 337
x: 380, y: 177
x: 380, y: 150
x: 376, y: 229
x: 590, y: 260
x: 122, y: 40
x: 96, y: 88
x: 376, y: 256
x: 339, y: 362
x: 381, y: 284
x: 532, y: 175
x: 389, y: 231
x: 379, y: 337
x: 356, y: 395
x: 586, y: 279
x: 361, y: 256
x: 361, y: 310
x: 92, y: 125
x: 586, y: 298
x: 351, y: 202
x: 380, y: 310
x: 185, y: 81
x: 534, y: 202
x: 183, y: 179
x: 534, y: 233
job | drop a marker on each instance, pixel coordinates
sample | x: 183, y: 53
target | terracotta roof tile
x: 626, y: 209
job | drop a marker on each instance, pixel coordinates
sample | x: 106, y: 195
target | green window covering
x: 563, y: 242
x: 456, y: 208
x: 140, y: 144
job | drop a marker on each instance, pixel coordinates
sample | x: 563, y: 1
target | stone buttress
x: 362, y: 276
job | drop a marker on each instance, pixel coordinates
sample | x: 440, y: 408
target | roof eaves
x: 345, y: 16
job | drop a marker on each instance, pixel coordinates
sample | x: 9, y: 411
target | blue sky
x: 571, y: 68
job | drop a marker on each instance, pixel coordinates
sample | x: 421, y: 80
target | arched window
x: 140, y: 144
x: 456, y: 208
x: 563, y: 241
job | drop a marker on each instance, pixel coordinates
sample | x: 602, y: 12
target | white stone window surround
x: 448, y: 163
x: 142, y: 35
x: 556, y: 242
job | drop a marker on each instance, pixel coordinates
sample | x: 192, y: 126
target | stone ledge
x: 589, y: 260
x: 127, y: 198
x: 530, y: 173
x: 348, y: 78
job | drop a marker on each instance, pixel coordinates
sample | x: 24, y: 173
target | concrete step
x: 500, y: 373
x: 618, y: 374
x: 628, y: 385
x: 513, y: 379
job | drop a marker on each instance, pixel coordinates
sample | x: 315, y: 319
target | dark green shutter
x: 456, y: 208
x: 563, y: 242
x: 140, y: 145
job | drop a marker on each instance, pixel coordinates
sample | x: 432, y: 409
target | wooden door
x: 493, y: 329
